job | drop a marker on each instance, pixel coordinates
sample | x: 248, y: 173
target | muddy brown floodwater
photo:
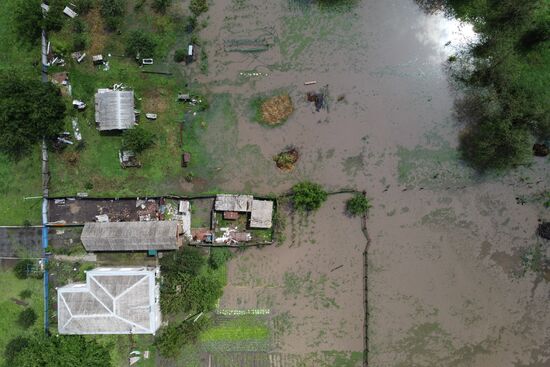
x: 445, y: 283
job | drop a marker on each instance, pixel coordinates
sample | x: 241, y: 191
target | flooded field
x: 446, y: 286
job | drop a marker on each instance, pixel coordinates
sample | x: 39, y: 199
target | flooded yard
x: 445, y: 282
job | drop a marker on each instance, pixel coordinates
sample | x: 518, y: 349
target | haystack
x: 276, y: 109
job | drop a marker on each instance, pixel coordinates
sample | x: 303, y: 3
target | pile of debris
x: 287, y: 159
x: 128, y: 159
x: 276, y: 109
x: 147, y: 210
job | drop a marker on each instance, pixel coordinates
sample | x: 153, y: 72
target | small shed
x: 233, y: 203
x: 98, y: 59
x: 130, y: 236
x: 261, y: 215
x: 230, y: 215
x: 114, y: 109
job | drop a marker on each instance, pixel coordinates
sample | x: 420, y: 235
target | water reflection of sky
x: 444, y: 36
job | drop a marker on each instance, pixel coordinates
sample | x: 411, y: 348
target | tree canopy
x: 509, y: 68
x: 40, y: 350
x: 188, y: 284
x: 29, y: 111
x: 140, y: 43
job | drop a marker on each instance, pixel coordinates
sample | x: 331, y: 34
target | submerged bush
x: 308, y: 196
x: 358, y: 205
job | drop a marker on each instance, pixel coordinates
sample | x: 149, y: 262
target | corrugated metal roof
x: 114, y: 110
x: 262, y: 214
x: 233, y: 203
x: 130, y: 236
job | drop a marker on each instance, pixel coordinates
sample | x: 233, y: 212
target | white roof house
x: 114, y: 109
x: 233, y: 203
x: 112, y: 301
x: 261, y: 214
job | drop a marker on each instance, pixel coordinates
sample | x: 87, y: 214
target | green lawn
x: 10, y: 288
x: 240, y: 328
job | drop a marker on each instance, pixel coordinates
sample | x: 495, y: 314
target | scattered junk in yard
x: 184, y: 97
x: 76, y: 130
x: 79, y: 105
x: 319, y: 98
x: 64, y: 141
x: 231, y: 236
x: 147, y: 62
x: 310, y: 82
x: 78, y: 56
x: 287, y: 159
x: 540, y: 150
x: 185, y: 159
x: 62, y: 79
x: 276, y: 110
x: 151, y: 116
x: 102, y: 218
x: 128, y: 159
x: 119, y: 86
x: 190, y: 54
x: 98, y: 60
x: 81, y: 194
x: 69, y: 12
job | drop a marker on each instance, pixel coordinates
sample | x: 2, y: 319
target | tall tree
x: 29, y: 111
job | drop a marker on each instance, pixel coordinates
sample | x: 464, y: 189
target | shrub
x: 79, y: 42
x: 180, y: 55
x: 25, y: 294
x: 218, y: 257
x: 27, y: 318
x: 308, y: 196
x: 191, y: 24
x: 161, y: 5
x: 140, y: 44
x: 13, y: 348
x: 173, y: 337
x: 358, y: 205
x: 83, y: 6
x: 22, y: 268
x: 112, y: 11
x: 198, y: 7
x: 137, y: 139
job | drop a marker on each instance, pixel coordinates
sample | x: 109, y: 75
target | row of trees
x: 308, y: 196
x: 39, y: 350
x: 505, y: 75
